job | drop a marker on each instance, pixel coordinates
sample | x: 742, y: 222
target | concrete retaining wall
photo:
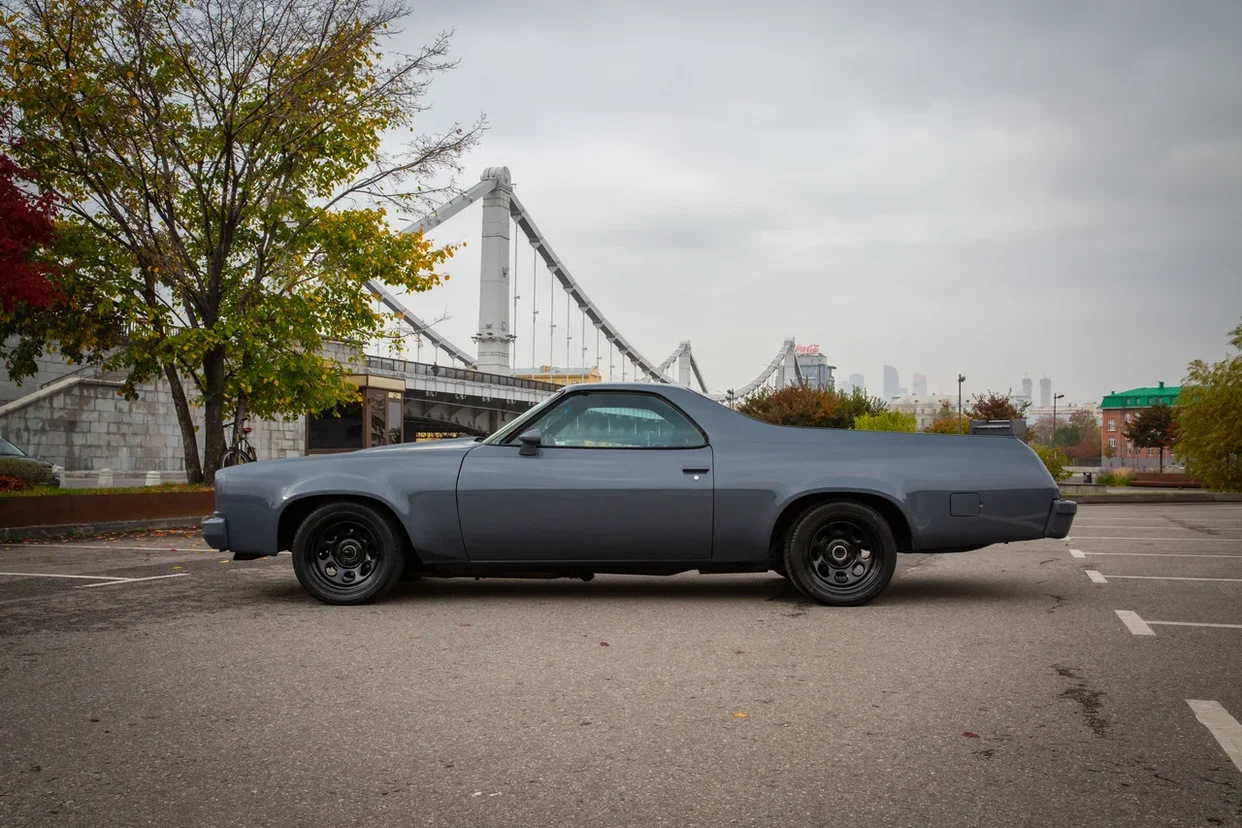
x: 88, y: 427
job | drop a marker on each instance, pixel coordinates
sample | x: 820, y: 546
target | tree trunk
x: 189, y: 440
x: 213, y: 413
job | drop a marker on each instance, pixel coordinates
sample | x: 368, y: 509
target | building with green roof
x: 1142, y: 397
x: 1118, y: 408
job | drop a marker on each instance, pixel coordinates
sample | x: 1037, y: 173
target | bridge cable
x: 551, y: 324
x: 534, y: 305
x: 514, y: 282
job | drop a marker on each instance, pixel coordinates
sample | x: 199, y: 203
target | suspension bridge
x: 477, y: 393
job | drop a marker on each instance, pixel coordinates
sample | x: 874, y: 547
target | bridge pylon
x: 495, y: 335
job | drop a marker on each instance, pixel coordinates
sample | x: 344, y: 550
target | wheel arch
x: 297, y: 510
x: 888, y: 508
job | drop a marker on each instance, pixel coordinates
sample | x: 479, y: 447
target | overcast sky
x: 996, y: 188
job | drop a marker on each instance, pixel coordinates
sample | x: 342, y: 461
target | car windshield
x: 7, y: 449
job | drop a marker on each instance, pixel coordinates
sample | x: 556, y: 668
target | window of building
x: 1112, y: 425
x: 337, y: 429
x: 1112, y: 442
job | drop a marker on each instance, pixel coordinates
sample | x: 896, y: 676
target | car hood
x: 262, y: 467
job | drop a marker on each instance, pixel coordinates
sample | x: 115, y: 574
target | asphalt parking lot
x: 152, y: 681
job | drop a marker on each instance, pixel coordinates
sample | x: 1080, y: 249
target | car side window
x: 618, y: 419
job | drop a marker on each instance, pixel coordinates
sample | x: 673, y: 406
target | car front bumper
x: 1060, y: 517
x: 216, y: 532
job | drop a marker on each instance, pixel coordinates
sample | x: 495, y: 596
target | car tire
x: 841, y: 553
x: 348, y: 553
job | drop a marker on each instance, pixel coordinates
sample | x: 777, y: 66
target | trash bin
x: 1086, y: 477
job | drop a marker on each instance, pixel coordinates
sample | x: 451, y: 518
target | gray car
x: 638, y: 479
x: 56, y: 473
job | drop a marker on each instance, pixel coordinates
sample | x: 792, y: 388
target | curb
x: 16, y: 533
x: 1160, y: 497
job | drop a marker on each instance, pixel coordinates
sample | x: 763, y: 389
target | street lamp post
x: 960, y: 380
x: 1055, y: 397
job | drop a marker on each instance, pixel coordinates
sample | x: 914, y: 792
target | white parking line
x: 1175, y: 540
x: 54, y: 575
x: 1221, y: 725
x: 135, y: 580
x: 1097, y: 523
x: 104, y: 580
x: 1196, y: 624
x: 1099, y: 578
x: 168, y: 548
x: 1142, y: 626
x: 1133, y: 623
x: 1082, y: 554
x: 1157, y: 526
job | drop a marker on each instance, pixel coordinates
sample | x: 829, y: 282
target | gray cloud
x: 993, y: 188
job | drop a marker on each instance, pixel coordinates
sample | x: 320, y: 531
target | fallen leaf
x: 970, y: 735
x: 463, y: 625
x: 223, y: 561
x: 172, y: 549
x: 415, y: 636
x: 176, y: 567
x: 604, y: 644
x: 740, y: 715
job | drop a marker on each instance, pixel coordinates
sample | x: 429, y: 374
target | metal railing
x: 405, y: 366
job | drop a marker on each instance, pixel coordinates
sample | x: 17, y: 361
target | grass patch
x: 53, y: 491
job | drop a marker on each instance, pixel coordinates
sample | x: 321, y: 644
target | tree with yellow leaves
x: 223, y: 184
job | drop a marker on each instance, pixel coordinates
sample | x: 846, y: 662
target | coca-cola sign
x: 806, y: 349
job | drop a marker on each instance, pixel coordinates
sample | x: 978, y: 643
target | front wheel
x: 348, y: 553
x: 841, y: 553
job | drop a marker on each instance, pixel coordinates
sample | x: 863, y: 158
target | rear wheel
x: 348, y: 553
x: 841, y: 553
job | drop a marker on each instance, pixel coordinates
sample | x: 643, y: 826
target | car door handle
x: 703, y: 470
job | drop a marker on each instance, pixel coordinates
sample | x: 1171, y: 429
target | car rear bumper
x: 216, y: 532
x: 1060, y: 517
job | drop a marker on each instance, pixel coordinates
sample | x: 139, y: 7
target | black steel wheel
x: 841, y: 553
x: 348, y: 553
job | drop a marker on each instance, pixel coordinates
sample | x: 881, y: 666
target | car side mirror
x: 531, y: 441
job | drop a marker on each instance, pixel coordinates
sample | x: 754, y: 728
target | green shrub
x: 949, y: 425
x: 886, y: 421
x: 1054, y: 461
x: 34, y: 474
x: 1114, y: 477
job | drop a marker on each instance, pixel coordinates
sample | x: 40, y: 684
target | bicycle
x: 240, y: 451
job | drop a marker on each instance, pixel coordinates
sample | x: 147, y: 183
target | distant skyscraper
x: 891, y: 388
x: 856, y: 381
x: 1045, y: 392
x: 1026, y: 388
x: 919, y: 385
x: 816, y: 371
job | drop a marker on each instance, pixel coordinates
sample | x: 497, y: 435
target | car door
x: 619, y: 476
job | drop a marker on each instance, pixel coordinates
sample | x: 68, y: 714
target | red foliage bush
x: 9, y: 483
x: 27, y: 224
